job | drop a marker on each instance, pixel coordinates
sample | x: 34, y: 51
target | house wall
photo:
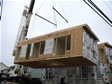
x: 35, y: 73
x: 73, y: 76
x: 3, y: 66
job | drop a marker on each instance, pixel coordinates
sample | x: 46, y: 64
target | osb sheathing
x: 77, y: 42
x: 69, y: 59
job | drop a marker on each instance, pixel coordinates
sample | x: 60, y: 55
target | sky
x: 76, y: 11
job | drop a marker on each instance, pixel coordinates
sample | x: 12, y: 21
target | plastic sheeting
x: 49, y: 45
x: 89, y: 47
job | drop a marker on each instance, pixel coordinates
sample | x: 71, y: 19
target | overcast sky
x: 77, y: 12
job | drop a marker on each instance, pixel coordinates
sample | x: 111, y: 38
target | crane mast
x: 24, y: 24
x: 21, y: 35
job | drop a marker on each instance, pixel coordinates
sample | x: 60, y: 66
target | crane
x: 21, y: 36
x: 21, y: 70
x: 24, y: 24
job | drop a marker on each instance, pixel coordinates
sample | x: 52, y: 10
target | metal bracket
x: 60, y: 14
x: 46, y: 19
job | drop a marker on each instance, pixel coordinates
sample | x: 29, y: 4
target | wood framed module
x: 75, y: 46
x: 105, y: 60
x: 105, y: 53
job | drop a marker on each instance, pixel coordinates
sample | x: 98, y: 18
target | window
x: 68, y: 44
x: 94, y: 54
x: 23, y: 51
x: 31, y: 51
x: 42, y: 47
x: 48, y: 73
x: 101, y: 55
x: 83, y: 72
x: 111, y: 57
x: 60, y: 46
x: 35, y: 51
x: 18, y: 53
x: 98, y: 73
x: 28, y: 51
x: 49, y: 46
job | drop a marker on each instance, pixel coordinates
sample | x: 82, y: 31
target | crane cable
x: 55, y: 24
x: 40, y: 6
x: 64, y: 12
x: 34, y: 20
x: 33, y: 28
x: 63, y: 17
x: 44, y: 17
x: 55, y: 20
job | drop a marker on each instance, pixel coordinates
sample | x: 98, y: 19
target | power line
x: 90, y: 1
x: 97, y: 12
x: 1, y: 4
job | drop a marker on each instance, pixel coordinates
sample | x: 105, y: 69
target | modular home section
x: 105, y: 53
x: 75, y: 46
x: 105, y: 61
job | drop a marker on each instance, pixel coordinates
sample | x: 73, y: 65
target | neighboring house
x: 105, y: 61
x: 3, y: 71
x: 28, y: 72
x: 6, y: 70
x: 12, y: 71
x: 3, y: 66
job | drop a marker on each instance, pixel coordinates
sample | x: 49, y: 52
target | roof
x: 88, y: 29
x: 106, y: 44
x: 3, y: 66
